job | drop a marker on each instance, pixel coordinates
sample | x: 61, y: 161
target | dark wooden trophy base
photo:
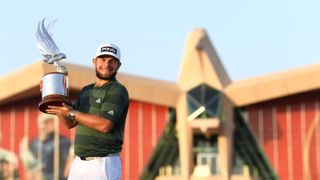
x: 53, y: 100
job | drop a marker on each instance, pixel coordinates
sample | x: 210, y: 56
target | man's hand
x: 41, y: 86
x: 63, y: 114
x: 61, y: 111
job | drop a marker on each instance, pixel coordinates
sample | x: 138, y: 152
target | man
x: 99, y: 114
x: 8, y: 164
x: 8, y: 168
x: 40, y: 156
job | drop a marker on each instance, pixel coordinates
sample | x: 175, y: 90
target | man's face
x: 106, y: 67
x: 7, y: 169
x: 45, y: 127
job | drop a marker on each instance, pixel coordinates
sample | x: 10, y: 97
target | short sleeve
x: 115, y: 104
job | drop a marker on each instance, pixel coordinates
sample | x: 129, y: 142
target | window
x: 206, y: 152
x: 203, y: 102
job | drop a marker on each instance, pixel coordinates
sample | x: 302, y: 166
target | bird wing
x: 45, y: 43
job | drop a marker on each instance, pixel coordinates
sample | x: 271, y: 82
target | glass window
x: 206, y: 152
x: 203, y: 102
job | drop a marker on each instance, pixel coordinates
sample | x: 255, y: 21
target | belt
x: 89, y: 158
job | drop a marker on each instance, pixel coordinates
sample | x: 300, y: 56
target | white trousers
x: 105, y: 168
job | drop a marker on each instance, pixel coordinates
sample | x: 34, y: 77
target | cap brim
x: 107, y: 54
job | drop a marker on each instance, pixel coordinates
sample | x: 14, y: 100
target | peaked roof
x: 25, y: 83
x: 201, y: 64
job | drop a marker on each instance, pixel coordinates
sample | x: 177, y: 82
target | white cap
x: 108, y: 49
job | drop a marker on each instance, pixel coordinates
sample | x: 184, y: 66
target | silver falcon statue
x: 48, y: 47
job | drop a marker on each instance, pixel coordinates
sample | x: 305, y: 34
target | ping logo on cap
x: 109, y: 49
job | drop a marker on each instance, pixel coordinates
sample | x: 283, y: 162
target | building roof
x: 275, y: 85
x: 24, y: 83
x: 201, y: 63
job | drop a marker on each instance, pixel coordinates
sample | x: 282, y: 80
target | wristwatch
x: 72, y: 115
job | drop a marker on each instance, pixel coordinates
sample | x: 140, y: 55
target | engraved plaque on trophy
x: 55, y: 87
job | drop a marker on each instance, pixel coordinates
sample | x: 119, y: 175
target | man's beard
x: 108, y: 78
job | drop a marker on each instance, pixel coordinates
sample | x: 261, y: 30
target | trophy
x: 55, y: 87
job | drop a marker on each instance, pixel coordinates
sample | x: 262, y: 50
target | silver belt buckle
x: 90, y: 158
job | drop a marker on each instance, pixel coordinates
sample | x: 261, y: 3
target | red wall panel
x: 161, y: 120
x: 144, y: 125
x: 19, y: 133
x: 133, y: 143
x: 297, y: 142
x: 33, y: 124
x: 147, y: 132
x: 5, y: 128
x: 267, y: 124
x: 310, y: 115
x: 283, y: 141
x: 292, y: 143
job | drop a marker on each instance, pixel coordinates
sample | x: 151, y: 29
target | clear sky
x: 252, y: 37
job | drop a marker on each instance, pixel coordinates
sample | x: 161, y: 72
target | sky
x: 252, y: 38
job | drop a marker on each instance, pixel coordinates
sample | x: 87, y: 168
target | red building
x: 204, y: 126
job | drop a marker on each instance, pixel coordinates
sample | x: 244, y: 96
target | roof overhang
x: 272, y: 86
x: 24, y: 83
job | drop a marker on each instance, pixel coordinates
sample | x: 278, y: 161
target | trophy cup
x: 55, y: 87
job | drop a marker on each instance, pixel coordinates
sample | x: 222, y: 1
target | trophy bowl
x: 55, y: 90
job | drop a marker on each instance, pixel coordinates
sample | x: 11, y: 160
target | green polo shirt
x: 110, y: 101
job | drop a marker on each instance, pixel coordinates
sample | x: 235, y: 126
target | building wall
x: 288, y: 129
x: 145, y: 123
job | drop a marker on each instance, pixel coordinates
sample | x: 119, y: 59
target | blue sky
x: 252, y: 37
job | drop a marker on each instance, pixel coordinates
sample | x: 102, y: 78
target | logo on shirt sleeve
x: 111, y: 112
